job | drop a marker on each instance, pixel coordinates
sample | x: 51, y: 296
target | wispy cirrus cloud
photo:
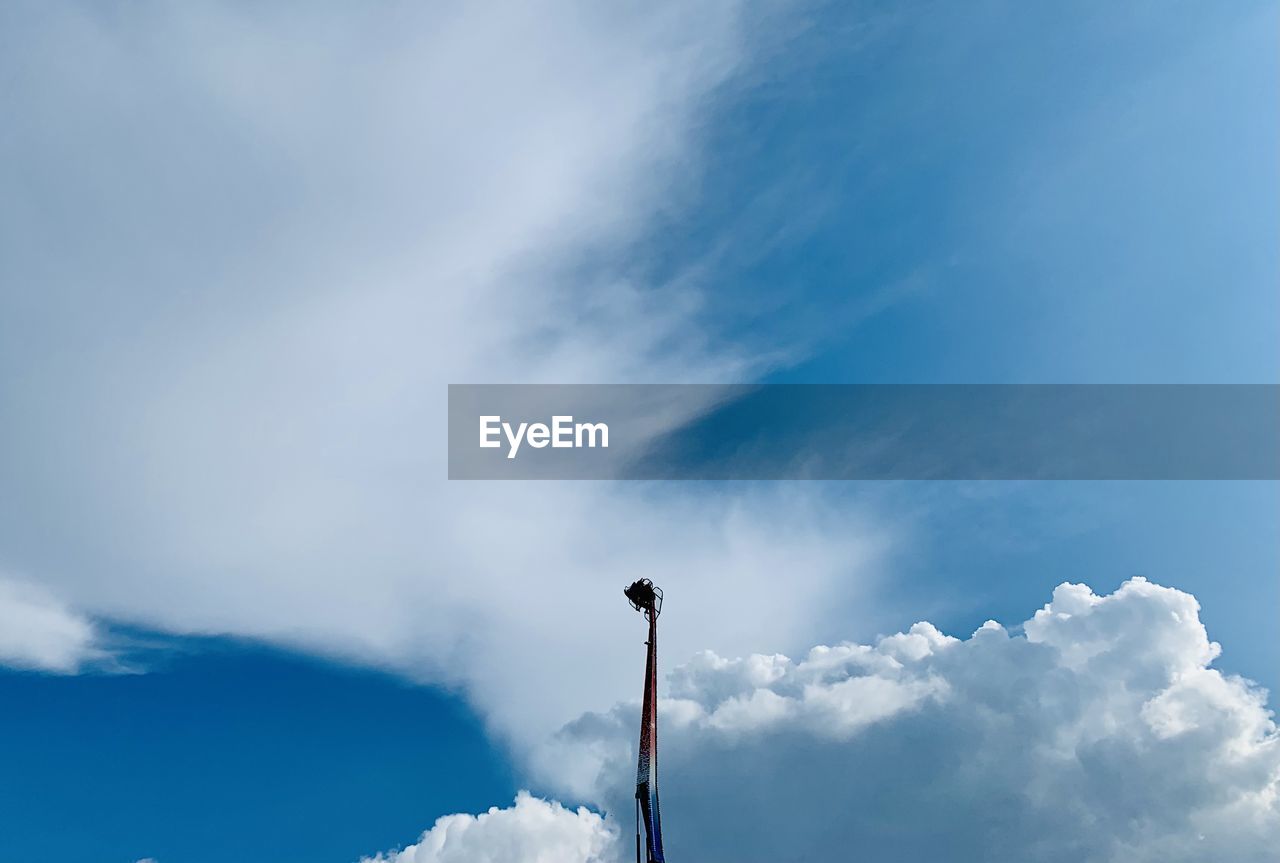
x: 240, y: 267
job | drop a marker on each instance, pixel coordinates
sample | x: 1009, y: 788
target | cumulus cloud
x: 531, y: 831
x: 40, y: 633
x: 1096, y: 731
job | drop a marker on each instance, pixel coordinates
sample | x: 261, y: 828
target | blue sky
x: 224, y: 750
x: 244, y: 249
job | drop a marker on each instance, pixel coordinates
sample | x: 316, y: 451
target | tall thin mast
x: 647, y: 599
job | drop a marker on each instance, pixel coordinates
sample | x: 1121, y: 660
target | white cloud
x: 40, y: 633
x: 247, y: 248
x: 1101, y: 733
x: 531, y: 831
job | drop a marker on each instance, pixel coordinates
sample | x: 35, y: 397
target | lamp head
x: 644, y: 597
